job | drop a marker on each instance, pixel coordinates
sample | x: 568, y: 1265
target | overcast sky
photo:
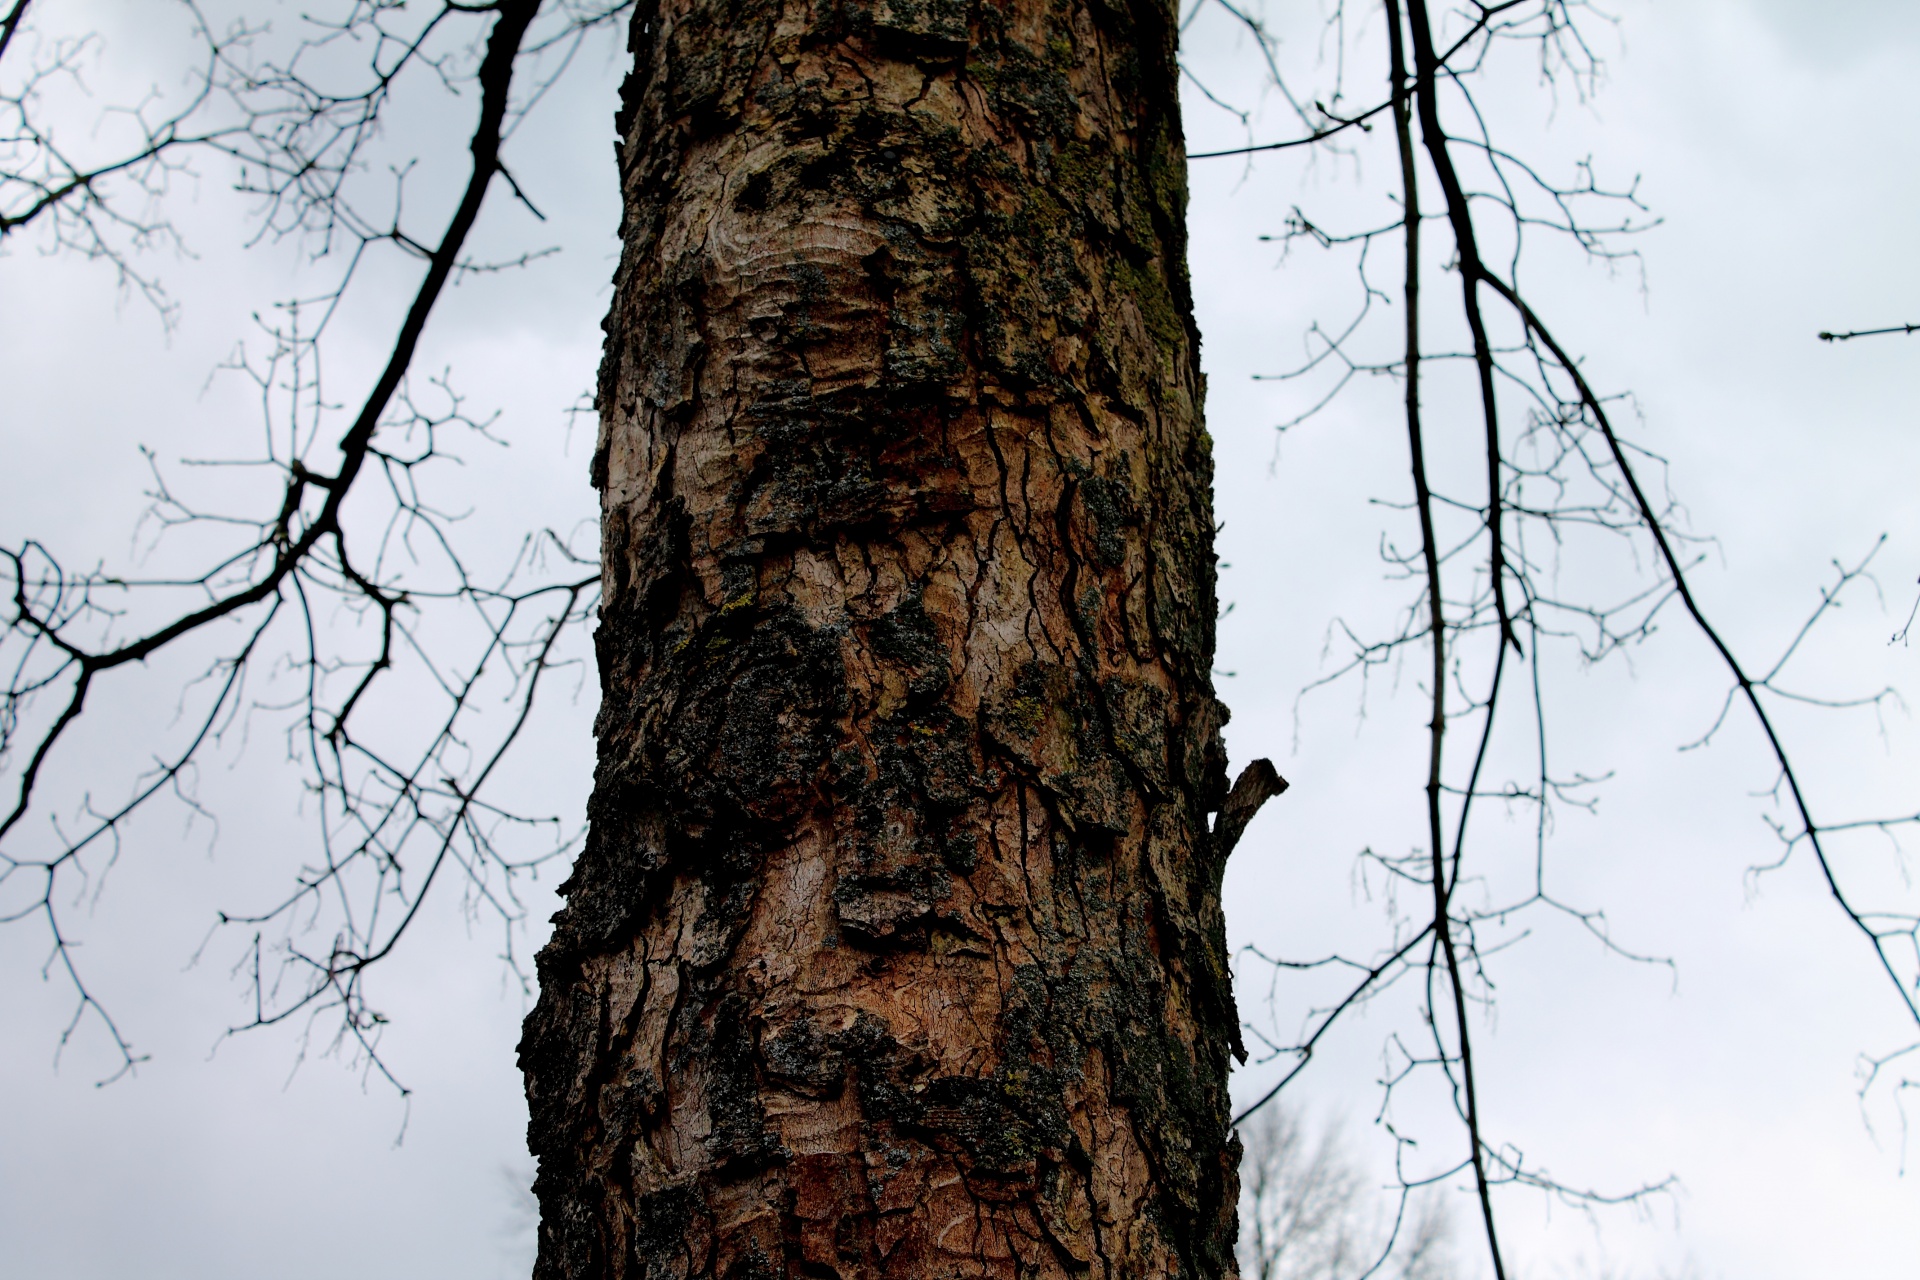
x: 1780, y: 144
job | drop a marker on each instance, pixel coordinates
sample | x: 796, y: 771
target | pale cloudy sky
x: 1778, y: 141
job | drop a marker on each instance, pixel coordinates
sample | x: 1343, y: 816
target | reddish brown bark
x: 896, y: 948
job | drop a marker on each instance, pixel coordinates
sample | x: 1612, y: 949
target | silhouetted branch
x: 306, y: 577
x: 1481, y: 589
x: 1825, y: 336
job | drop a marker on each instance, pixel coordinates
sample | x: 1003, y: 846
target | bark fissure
x: 900, y: 896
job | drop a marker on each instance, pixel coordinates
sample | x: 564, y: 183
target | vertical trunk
x: 896, y: 947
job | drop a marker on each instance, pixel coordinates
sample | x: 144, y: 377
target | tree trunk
x: 896, y: 946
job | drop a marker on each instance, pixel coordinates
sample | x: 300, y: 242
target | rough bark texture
x: 896, y: 948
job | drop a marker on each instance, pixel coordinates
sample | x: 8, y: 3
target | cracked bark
x: 896, y: 947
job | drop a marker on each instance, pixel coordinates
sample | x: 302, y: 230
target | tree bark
x: 896, y: 945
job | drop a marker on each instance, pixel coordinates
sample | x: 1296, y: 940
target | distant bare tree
x: 1309, y: 1212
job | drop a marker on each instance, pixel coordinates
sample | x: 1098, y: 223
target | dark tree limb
x: 1257, y: 784
x: 1826, y: 336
